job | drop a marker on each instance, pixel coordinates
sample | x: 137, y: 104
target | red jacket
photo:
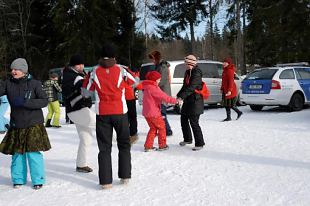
x: 129, y: 89
x: 228, y: 82
x: 153, y: 97
x: 109, y: 84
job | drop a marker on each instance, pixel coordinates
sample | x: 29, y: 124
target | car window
x: 303, y: 73
x: 209, y: 70
x: 145, y: 69
x: 179, y: 71
x: 261, y: 74
x: 287, y: 74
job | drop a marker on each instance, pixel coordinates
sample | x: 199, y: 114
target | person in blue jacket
x: 4, y: 122
x: 27, y: 135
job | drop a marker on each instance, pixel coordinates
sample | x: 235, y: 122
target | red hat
x: 228, y: 60
x: 153, y: 75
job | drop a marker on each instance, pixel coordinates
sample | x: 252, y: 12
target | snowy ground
x: 261, y: 159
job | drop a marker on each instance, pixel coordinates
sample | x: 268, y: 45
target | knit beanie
x: 76, y: 59
x: 228, y: 60
x: 108, y: 51
x: 20, y: 64
x: 190, y: 60
x: 155, y: 55
x: 53, y: 75
x: 153, y: 75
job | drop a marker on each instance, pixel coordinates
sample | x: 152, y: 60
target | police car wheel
x: 256, y: 107
x: 296, y: 103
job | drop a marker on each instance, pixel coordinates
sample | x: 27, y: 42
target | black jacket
x: 29, y: 89
x: 72, y: 82
x: 192, y: 102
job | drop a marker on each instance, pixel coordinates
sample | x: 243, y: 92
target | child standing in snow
x: 153, y: 97
x: 26, y: 136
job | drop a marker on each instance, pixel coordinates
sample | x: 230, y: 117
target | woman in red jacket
x: 229, y: 89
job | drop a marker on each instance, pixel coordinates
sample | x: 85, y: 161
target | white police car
x: 283, y: 85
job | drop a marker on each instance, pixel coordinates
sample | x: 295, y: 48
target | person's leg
x: 164, y: 114
x: 186, y: 130
x: 85, y: 135
x: 194, y: 122
x: 36, y: 166
x: 56, y: 111
x: 239, y: 113
x: 161, y: 128
x: 120, y: 124
x: 228, y: 114
x: 149, y: 142
x: 49, y: 115
x: 19, y: 169
x: 104, y: 132
x: 132, y: 117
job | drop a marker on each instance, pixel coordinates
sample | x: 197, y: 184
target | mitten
x: 18, y: 101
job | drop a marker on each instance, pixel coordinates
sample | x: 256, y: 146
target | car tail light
x: 275, y: 85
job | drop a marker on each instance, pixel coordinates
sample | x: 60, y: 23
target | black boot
x: 239, y: 113
x: 48, y: 123
x: 228, y: 113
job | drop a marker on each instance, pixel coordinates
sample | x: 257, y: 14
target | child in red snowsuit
x: 153, y: 97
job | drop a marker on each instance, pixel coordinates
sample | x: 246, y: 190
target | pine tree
x: 175, y: 16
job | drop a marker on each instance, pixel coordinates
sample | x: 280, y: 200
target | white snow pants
x: 85, y: 122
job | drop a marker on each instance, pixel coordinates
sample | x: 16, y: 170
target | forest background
x: 252, y: 32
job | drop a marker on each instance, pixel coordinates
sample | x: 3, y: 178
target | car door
x: 303, y: 77
x: 211, y: 75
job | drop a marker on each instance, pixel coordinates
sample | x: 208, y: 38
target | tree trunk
x: 191, y: 25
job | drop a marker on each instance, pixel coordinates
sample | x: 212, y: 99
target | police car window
x: 262, y: 74
x: 179, y: 71
x: 145, y: 69
x: 287, y: 74
x: 303, y: 73
x: 210, y: 70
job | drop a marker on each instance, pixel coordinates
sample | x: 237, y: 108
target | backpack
x: 204, y: 92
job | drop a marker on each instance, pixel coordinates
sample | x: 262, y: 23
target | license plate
x: 255, y: 86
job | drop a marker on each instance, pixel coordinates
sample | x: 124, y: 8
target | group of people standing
x: 27, y: 136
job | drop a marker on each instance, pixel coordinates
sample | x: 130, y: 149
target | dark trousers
x: 188, y: 121
x: 132, y: 117
x: 104, y: 131
x: 163, y: 109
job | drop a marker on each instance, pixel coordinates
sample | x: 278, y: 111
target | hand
x: 18, y: 101
x: 228, y: 93
x: 179, y: 101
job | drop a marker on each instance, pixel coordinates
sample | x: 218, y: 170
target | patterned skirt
x: 229, y: 102
x: 21, y: 140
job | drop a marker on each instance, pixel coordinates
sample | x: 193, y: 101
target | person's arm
x: 40, y: 99
x: 195, y: 82
x: 57, y: 87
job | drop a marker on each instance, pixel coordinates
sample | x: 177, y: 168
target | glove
x: 18, y: 101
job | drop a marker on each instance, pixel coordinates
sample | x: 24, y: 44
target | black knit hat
x: 107, y: 51
x: 76, y: 59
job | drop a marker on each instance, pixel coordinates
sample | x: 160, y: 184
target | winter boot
x: 125, y: 181
x: 106, y: 186
x: 133, y: 139
x: 163, y: 148
x: 37, y: 187
x: 239, y: 113
x: 183, y: 143
x: 85, y: 169
x: 196, y: 148
x: 48, y: 123
x: 228, y: 114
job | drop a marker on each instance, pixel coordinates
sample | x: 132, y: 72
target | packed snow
x: 261, y: 159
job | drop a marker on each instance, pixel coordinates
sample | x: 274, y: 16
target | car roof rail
x: 293, y: 64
